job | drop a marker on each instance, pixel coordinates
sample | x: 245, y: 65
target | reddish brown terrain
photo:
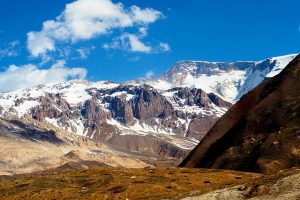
x: 260, y: 133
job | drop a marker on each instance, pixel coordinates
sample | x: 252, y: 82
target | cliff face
x: 260, y: 132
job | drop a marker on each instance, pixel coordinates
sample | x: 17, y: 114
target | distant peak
x: 289, y: 56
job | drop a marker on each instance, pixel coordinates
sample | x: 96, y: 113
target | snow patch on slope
x: 139, y: 128
x: 281, y: 63
x: 225, y: 83
x: 25, y: 107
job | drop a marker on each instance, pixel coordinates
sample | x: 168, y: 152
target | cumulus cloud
x: 16, y: 77
x: 87, y: 19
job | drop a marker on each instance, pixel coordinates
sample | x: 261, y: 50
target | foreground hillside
x: 118, y: 183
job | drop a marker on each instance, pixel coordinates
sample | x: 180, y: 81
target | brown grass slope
x: 259, y: 133
x: 120, y: 183
x: 147, y: 183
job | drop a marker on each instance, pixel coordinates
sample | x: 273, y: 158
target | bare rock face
x: 200, y: 98
x: 95, y: 120
x: 195, y: 97
x: 218, y: 101
x: 93, y: 112
x: 199, y: 126
x: 200, y: 110
x: 46, y: 109
x: 122, y: 110
x: 260, y: 132
x: 149, y: 104
x: 53, y: 106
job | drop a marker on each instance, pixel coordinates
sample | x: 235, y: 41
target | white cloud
x: 149, y: 74
x: 146, y: 16
x: 134, y: 59
x: 14, y: 43
x: 39, y: 43
x: 136, y: 45
x: 129, y: 42
x: 143, y: 31
x: 87, y: 19
x: 164, y: 46
x: 16, y: 77
x: 65, y: 51
x: 11, y: 49
x: 84, y: 52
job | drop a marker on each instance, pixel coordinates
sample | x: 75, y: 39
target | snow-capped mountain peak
x: 229, y: 80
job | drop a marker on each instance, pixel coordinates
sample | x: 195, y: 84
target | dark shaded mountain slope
x: 259, y: 133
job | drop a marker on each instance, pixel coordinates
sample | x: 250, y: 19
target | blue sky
x: 155, y: 36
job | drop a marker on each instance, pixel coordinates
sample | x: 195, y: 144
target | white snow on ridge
x: 77, y: 127
x: 52, y: 121
x: 229, y: 84
x: 139, y: 128
x: 225, y: 83
x: 24, y: 107
x: 117, y: 94
x: 74, y: 92
x: 104, y: 85
x: 74, y: 125
x: 281, y: 63
x: 160, y: 85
